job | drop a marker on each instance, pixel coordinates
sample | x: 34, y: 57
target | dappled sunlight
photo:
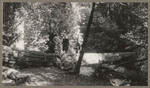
x: 93, y: 58
x: 20, y: 44
x: 86, y: 71
x: 50, y: 76
x: 54, y: 76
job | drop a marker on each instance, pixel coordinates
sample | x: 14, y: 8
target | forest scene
x: 75, y: 44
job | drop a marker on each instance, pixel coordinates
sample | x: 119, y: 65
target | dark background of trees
x: 111, y: 21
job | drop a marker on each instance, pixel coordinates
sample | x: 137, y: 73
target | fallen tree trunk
x: 39, y: 54
x: 130, y: 62
x: 15, y: 75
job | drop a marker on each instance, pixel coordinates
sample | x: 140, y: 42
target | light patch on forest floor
x: 93, y: 58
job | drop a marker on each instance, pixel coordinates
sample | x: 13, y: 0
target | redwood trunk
x: 77, y: 68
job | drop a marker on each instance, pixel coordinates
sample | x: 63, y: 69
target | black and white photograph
x: 75, y: 44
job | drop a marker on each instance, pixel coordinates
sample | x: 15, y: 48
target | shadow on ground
x: 53, y: 76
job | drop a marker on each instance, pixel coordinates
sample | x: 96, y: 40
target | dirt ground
x: 56, y: 77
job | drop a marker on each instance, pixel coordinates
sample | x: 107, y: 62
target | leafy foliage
x: 59, y: 18
x: 123, y: 23
x: 123, y: 28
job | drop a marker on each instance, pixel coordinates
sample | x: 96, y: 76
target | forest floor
x: 43, y: 76
x: 52, y: 76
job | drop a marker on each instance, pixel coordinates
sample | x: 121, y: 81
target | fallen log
x: 39, y: 54
x: 130, y: 62
x: 15, y: 75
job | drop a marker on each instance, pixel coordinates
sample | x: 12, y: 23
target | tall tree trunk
x: 77, y: 68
